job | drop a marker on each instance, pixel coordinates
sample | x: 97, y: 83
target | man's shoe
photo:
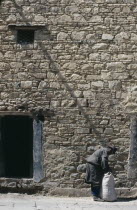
x: 95, y: 198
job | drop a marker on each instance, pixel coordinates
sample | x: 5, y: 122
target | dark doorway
x: 17, y: 146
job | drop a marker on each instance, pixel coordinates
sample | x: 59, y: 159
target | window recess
x: 25, y: 34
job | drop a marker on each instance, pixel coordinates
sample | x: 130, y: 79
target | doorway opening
x: 16, y: 146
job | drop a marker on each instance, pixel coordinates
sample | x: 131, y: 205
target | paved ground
x: 27, y: 202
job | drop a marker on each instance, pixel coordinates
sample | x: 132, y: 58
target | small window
x: 25, y: 36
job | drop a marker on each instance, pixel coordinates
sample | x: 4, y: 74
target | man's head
x: 111, y: 149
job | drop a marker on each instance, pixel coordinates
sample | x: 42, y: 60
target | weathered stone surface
x: 26, y: 84
x: 133, y: 37
x: 64, y: 18
x: 98, y: 84
x: 19, y: 2
x: 130, y: 101
x: 81, y: 168
x: 96, y: 19
x: 83, y: 130
x: 100, y: 46
x: 109, y: 131
x: 94, y: 56
x: 118, y: 66
x: 105, y: 57
x: 82, y: 102
x: 68, y: 103
x: 71, y: 9
x: 116, y: 85
x: 81, y: 73
x: 107, y: 37
x: 111, y: 1
x: 79, y: 18
x: 104, y: 122
x: 132, y: 66
x: 1, y: 55
x: 135, y: 9
x: 78, y: 94
x: 62, y: 36
x: 40, y: 18
x: 125, y: 57
x: 126, y: 9
x: 22, y: 75
x: 83, y: 86
x: 70, y: 169
x: 122, y: 36
x: 42, y: 85
x: 11, y: 19
x: 69, y: 65
x: 78, y: 35
x: 4, y: 95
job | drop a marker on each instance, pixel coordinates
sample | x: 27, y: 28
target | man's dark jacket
x: 97, y: 165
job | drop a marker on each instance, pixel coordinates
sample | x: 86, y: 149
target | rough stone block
x: 42, y: 85
x: 83, y: 86
x: 69, y: 65
x: 98, y: 84
x: 104, y: 122
x: 120, y: 37
x: 81, y: 168
x: 100, y: 46
x: 11, y: 19
x: 62, y: 36
x: 115, y: 85
x: 117, y: 66
x: 39, y: 18
x: 96, y: 19
x: 94, y: 56
x: 26, y: 84
x: 71, y: 9
x: 107, y: 37
x: 109, y: 131
x: 83, y: 130
x: 78, y: 35
x: 64, y: 19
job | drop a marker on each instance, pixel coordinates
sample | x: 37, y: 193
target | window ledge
x: 29, y: 27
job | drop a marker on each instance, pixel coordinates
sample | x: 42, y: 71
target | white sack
x: 108, y: 192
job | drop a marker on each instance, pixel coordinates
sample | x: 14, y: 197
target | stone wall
x: 79, y: 71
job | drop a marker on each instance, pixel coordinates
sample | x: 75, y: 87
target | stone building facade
x: 68, y: 70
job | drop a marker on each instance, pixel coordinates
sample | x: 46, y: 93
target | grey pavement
x: 33, y: 202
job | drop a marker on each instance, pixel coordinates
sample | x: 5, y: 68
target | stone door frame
x: 132, y: 160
